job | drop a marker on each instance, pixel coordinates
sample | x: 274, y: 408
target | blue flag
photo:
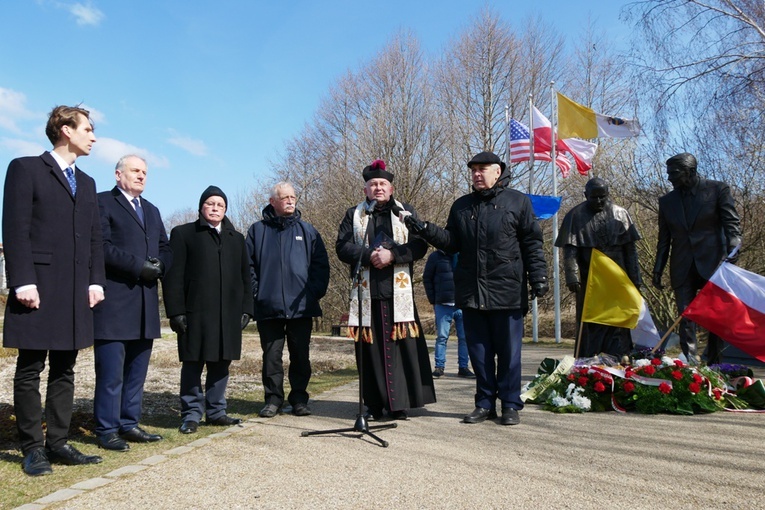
x: 544, y: 206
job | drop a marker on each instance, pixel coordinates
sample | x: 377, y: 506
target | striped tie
x: 72, y: 181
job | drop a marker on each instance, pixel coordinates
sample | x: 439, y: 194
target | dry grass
x: 333, y: 364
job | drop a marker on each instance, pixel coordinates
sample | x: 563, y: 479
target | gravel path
x: 434, y: 461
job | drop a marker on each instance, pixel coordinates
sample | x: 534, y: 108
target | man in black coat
x: 290, y: 274
x: 137, y: 254
x: 208, y: 299
x: 500, y: 246
x: 698, y: 228
x: 55, y: 267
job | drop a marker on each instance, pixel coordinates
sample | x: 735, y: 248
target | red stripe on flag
x: 725, y: 315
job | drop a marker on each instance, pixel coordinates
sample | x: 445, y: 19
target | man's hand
x: 159, y: 264
x: 656, y: 281
x: 245, y: 320
x: 574, y: 287
x: 29, y: 298
x: 95, y: 297
x: 178, y: 324
x: 381, y: 257
x: 415, y: 226
x: 150, y: 272
x: 539, y: 289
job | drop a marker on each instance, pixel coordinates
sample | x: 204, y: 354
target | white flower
x: 667, y: 361
x: 642, y: 362
x: 581, y: 402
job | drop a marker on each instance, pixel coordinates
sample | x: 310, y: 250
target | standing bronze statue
x: 598, y: 223
x: 698, y: 227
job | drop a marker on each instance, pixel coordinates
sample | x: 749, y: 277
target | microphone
x: 400, y: 212
x: 370, y: 207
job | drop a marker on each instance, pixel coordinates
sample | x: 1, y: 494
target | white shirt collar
x: 63, y: 164
x: 129, y: 196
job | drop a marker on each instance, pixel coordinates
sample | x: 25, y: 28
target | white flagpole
x: 556, y: 268
x: 534, y: 304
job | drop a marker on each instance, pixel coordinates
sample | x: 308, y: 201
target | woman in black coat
x: 208, y: 299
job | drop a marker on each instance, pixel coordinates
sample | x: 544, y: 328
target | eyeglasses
x: 219, y: 205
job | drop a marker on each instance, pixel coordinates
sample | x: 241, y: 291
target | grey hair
x: 121, y: 163
x: 279, y: 185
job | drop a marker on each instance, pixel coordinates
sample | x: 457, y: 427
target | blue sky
x: 210, y: 92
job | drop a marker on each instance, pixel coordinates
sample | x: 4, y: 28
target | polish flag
x: 582, y: 150
x: 732, y: 305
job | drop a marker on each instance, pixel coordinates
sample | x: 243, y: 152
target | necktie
x: 138, y: 209
x: 72, y: 181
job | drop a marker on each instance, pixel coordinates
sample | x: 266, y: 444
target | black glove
x: 415, y: 226
x: 159, y: 264
x: 245, y: 320
x: 574, y: 287
x: 178, y: 324
x: 539, y: 289
x: 656, y: 281
x: 149, y: 272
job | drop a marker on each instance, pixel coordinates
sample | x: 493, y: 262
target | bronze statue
x: 698, y: 227
x: 598, y: 223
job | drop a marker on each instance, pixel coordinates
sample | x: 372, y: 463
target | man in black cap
x: 699, y: 222
x: 208, y: 299
x: 500, y: 252
x: 598, y: 223
x: 396, y: 363
x: 289, y: 267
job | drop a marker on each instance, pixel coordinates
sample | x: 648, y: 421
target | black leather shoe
x: 224, y: 421
x: 509, y: 417
x: 301, y: 409
x: 114, y: 442
x: 466, y: 373
x: 188, y: 427
x: 270, y: 411
x: 373, y: 414
x: 138, y: 435
x: 479, y: 414
x: 71, y: 456
x: 36, y: 463
x: 438, y: 372
x: 399, y: 415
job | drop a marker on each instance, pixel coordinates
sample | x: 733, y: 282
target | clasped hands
x: 152, y: 270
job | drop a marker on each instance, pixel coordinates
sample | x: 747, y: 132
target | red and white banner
x: 732, y: 305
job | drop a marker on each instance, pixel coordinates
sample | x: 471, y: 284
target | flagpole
x: 556, y: 268
x: 534, y: 302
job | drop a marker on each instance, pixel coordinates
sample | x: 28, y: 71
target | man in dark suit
x: 55, y: 269
x: 698, y: 227
x: 136, y: 253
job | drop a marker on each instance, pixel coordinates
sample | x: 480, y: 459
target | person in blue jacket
x: 290, y: 274
x: 438, y: 279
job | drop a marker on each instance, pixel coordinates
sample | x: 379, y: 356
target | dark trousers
x: 121, y: 367
x: 212, y: 401
x: 59, y: 398
x: 684, y: 294
x: 494, y: 340
x: 297, y: 333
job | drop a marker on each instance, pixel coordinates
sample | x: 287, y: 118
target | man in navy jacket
x: 290, y: 274
x: 136, y: 253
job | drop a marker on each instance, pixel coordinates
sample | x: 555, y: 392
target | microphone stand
x: 361, y: 424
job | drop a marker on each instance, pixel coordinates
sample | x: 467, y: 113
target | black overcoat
x: 131, y: 308
x: 53, y: 240
x: 209, y: 282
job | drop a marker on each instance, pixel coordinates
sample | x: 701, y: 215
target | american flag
x: 519, y: 149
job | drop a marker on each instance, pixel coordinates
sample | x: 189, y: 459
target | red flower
x: 679, y: 364
x: 656, y: 362
x: 597, y: 376
x: 697, y: 378
x: 599, y: 387
x: 649, y: 370
x: 608, y: 380
x: 717, y: 392
x: 582, y: 381
x: 628, y: 374
x: 583, y: 370
x: 694, y: 388
x: 677, y: 375
x: 629, y: 387
x: 665, y: 388
x: 571, y: 377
